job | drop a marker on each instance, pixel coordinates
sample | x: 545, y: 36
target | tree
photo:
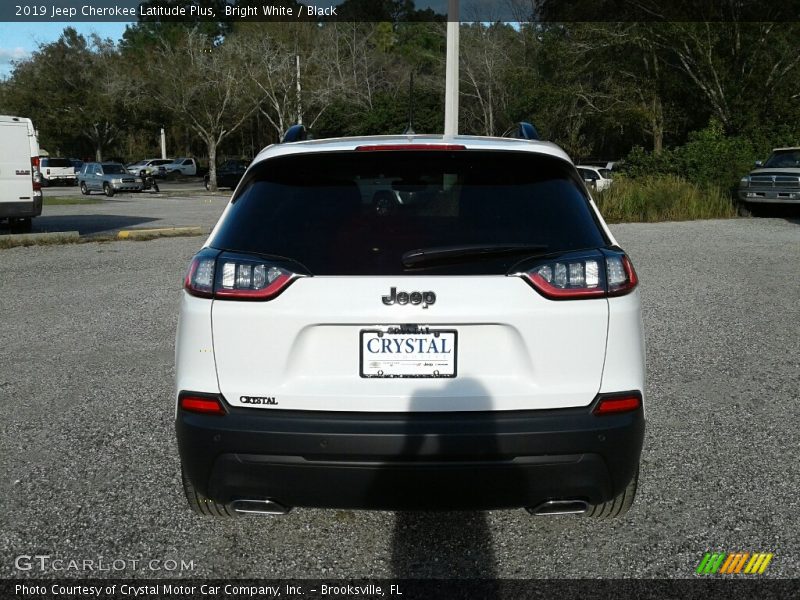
x: 489, y: 58
x: 202, y: 84
x: 63, y: 87
x: 291, y: 71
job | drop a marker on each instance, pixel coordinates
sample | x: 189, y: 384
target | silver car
x: 108, y: 178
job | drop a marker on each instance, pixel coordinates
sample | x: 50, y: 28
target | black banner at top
x: 66, y: 11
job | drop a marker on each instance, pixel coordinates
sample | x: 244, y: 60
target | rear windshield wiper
x: 453, y: 254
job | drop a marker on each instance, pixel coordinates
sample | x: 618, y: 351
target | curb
x: 139, y: 234
x: 36, y: 239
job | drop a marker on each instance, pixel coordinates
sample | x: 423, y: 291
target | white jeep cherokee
x: 410, y: 322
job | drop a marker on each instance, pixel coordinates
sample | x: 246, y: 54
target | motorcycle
x: 148, y: 181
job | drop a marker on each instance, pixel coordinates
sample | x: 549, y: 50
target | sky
x: 18, y: 40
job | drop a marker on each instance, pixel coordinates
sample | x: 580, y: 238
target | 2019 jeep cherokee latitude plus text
x: 476, y: 345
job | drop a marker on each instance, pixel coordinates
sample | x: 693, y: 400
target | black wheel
x: 23, y: 225
x: 45, y: 182
x: 84, y: 189
x: 617, y: 506
x: 109, y: 191
x: 202, y: 505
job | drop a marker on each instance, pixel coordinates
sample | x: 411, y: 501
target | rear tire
x: 618, y: 506
x: 202, y: 505
x: 109, y: 191
x: 23, y: 225
x: 84, y: 189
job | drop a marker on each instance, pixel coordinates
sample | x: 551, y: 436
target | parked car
x: 228, y: 174
x: 479, y: 348
x: 77, y: 164
x: 596, y: 178
x: 185, y: 166
x: 775, y: 181
x: 150, y: 166
x: 108, y: 178
x: 57, y: 171
x: 20, y: 175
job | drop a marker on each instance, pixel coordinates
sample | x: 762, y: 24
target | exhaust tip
x: 560, y: 507
x: 259, y: 507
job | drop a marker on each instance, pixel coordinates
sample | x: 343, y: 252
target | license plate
x: 424, y: 352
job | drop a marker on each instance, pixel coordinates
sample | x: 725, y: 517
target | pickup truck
x: 57, y: 170
x: 775, y: 181
x: 185, y: 166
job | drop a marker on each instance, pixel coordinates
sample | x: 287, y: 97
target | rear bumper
x: 398, y: 461
x: 30, y: 208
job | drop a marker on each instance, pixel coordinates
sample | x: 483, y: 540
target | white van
x: 20, y: 176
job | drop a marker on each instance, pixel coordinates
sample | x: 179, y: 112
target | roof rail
x: 295, y: 133
x: 523, y: 131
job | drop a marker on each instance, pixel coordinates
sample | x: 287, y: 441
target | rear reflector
x: 618, y: 404
x: 438, y: 147
x: 206, y: 406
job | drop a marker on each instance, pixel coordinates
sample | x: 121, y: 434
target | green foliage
x: 713, y: 96
x: 710, y: 157
x: 662, y: 198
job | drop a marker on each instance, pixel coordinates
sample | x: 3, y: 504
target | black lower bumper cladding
x: 410, y: 461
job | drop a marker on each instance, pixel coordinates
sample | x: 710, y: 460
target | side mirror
x: 759, y: 163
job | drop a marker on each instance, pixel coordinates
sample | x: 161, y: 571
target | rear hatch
x: 57, y: 168
x: 390, y: 283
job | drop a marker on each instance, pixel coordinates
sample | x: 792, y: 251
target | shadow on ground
x: 83, y: 224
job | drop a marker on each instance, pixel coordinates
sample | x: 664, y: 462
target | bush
x: 708, y: 158
x: 662, y: 198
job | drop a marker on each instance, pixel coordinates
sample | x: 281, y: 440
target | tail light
x: 575, y: 276
x: 36, y: 174
x: 229, y: 276
x: 618, y: 403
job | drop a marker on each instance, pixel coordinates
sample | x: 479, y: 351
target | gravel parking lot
x: 89, y: 465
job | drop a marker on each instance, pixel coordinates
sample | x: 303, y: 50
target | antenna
x: 410, y: 128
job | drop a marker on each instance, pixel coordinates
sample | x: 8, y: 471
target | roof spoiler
x: 523, y: 131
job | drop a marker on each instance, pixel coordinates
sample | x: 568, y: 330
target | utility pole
x: 451, y: 71
x: 163, y: 144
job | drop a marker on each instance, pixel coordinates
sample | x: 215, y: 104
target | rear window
x: 56, y: 162
x: 357, y: 213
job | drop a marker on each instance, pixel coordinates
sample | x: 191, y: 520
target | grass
x: 64, y: 200
x: 662, y: 198
x: 33, y: 240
